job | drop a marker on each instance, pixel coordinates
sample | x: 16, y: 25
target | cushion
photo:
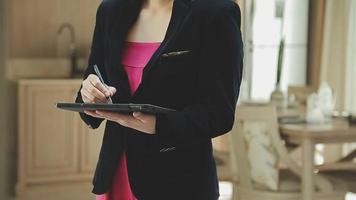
x: 261, y: 155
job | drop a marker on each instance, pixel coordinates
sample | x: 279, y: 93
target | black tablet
x: 124, y: 108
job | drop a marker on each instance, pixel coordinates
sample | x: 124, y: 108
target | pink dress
x: 134, y: 58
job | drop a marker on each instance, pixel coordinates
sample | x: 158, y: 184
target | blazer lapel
x: 125, y: 20
x: 180, y: 13
x: 122, y: 16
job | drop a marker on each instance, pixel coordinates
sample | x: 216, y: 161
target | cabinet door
x: 90, y: 141
x: 48, y: 146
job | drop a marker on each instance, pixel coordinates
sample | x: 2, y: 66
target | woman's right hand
x: 93, y: 91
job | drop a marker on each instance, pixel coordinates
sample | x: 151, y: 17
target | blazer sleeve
x: 96, y: 57
x: 218, y: 85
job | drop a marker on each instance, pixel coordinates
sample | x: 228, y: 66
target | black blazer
x: 202, y: 84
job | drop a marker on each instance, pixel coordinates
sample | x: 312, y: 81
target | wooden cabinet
x: 56, y: 148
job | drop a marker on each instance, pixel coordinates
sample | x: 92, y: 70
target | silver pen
x: 96, y: 69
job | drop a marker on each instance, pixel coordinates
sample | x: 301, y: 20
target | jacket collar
x: 121, y: 24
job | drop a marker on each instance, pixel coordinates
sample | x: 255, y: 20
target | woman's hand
x: 138, y: 120
x: 93, y: 91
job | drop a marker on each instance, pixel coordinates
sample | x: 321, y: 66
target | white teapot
x: 314, y: 111
x: 326, y: 100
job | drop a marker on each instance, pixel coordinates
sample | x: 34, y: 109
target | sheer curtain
x: 338, y: 61
x: 351, y: 61
x: 351, y: 69
x: 335, y: 47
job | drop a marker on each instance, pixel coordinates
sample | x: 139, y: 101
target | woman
x: 181, y: 54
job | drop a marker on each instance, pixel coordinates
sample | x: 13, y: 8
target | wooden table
x: 307, y: 135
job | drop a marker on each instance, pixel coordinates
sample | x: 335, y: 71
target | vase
x: 278, y: 98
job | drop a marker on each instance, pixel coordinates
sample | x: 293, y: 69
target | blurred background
x: 299, y: 60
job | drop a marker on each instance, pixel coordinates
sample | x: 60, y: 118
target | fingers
x: 135, y: 121
x: 140, y: 116
x: 115, y: 116
x: 147, y: 122
x: 94, y: 95
x: 112, y: 90
x: 93, y: 91
x: 95, y: 82
x: 88, y: 97
x: 93, y: 114
x: 123, y: 119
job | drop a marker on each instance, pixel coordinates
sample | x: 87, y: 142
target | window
x: 262, y: 36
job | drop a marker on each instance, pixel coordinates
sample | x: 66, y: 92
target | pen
x: 96, y: 69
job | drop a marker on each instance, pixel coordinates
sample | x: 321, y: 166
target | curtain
x: 315, y: 40
x: 351, y: 61
x: 351, y: 70
x: 335, y: 46
x: 336, y: 59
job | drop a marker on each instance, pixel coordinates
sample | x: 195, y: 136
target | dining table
x: 307, y: 136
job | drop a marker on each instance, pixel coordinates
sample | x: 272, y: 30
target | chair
x: 300, y: 93
x: 287, y: 186
x: 222, y: 158
x: 344, y: 169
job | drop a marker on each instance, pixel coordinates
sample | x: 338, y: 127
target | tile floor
x: 226, y: 192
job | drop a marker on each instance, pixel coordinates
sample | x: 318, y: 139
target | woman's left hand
x: 138, y: 120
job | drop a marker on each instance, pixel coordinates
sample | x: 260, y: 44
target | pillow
x: 261, y: 155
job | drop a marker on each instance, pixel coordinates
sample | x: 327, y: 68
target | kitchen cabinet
x: 57, y: 152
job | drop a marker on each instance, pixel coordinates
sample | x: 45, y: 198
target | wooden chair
x: 289, y: 181
x: 222, y: 157
x: 344, y: 169
x: 300, y: 93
